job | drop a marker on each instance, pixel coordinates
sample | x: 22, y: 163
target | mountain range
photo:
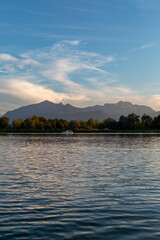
x: 68, y: 112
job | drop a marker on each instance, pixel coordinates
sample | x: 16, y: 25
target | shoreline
x: 120, y: 132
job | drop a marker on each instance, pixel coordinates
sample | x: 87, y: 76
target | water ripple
x: 79, y: 186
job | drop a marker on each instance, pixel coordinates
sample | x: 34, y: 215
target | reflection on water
x: 80, y: 186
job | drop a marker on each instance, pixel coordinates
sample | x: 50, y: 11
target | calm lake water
x: 80, y: 186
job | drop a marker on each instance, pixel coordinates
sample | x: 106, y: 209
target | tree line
x: 130, y: 122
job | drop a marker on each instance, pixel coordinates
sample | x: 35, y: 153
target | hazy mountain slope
x: 51, y: 110
x: 123, y: 108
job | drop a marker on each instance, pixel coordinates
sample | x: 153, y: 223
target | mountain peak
x: 124, y: 103
x: 52, y: 110
x: 45, y: 101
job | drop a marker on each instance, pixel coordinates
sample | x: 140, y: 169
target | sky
x: 84, y: 52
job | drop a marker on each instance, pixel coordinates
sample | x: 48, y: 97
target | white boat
x: 67, y: 132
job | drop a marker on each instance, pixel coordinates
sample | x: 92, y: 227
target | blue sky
x: 80, y: 52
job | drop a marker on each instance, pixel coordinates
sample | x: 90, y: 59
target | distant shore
x: 126, y: 124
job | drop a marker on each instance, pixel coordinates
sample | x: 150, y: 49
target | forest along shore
x: 130, y: 123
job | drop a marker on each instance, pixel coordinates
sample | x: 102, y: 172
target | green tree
x: 122, y: 122
x: 16, y: 124
x: 147, y: 121
x: 34, y: 122
x: 25, y: 124
x: 59, y: 124
x: 96, y: 123
x: 83, y: 125
x: 65, y: 123
x: 31, y: 123
x: 90, y: 123
x: 109, y: 123
x: 131, y: 121
x: 44, y: 124
x: 156, y: 122
x: 4, y: 122
x: 74, y: 125
x: 140, y: 124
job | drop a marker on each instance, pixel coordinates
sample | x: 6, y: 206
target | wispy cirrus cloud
x: 148, y: 45
x: 30, y: 11
x: 31, y: 92
x: 80, y: 9
x: 144, y: 46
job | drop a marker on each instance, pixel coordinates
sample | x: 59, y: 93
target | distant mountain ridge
x: 68, y: 112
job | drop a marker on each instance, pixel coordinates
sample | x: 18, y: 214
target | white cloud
x: 75, y: 42
x: 58, y: 72
x: 30, y: 92
x: 109, y: 59
x: 63, y: 73
x: 7, y: 57
x: 26, y: 62
x: 144, y: 46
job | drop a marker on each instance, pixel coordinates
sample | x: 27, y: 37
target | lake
x: 81, y: 186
